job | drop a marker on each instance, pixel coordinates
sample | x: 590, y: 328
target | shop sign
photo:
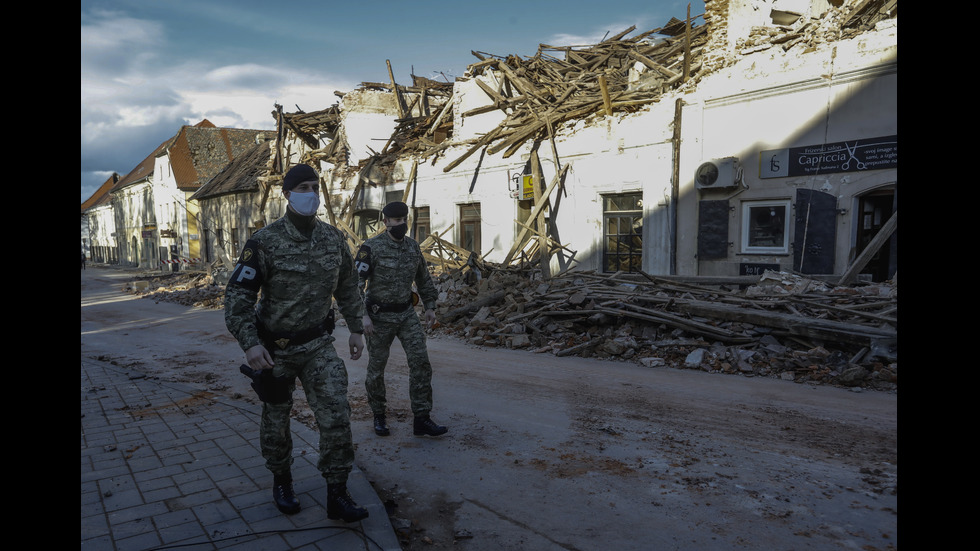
x: 811, y: 160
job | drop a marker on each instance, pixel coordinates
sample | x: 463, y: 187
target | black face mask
x: 398, y: 231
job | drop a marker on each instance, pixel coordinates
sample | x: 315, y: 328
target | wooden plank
x: 604, y: 86
x: 539, y: 197
x: 616, y: 37
x: 487, y: 138
x: 447, y: 107
x: 522, y: 84
x: 559, y: 177
x: 394, y: 90
x: 652, y: 64
x: 411, y: 180
x: 877, y: 241
x: 496, y: 97
x: 796, y: 325
x: 554, y: 244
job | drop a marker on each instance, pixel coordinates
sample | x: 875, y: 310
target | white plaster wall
x: 624, y: 153
x: 771, y: 100
x: 169, y: 207
x: 468, y: 95
x: 101, y: 226
x: 368, y: 120
x: 133, y: 208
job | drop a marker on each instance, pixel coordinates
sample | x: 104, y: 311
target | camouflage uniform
x: 298, y: 276
x: 389, y: 268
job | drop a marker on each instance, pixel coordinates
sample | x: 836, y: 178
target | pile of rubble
x: 188, y: 288
x: 783, y: 326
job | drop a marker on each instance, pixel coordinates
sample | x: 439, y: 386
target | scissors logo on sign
x: 850, y: 153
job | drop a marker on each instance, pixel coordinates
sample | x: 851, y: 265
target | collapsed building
x: 757, y: 138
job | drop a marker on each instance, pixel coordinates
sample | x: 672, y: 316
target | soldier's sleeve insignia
x: 247, y: 272
x: 362, y: 262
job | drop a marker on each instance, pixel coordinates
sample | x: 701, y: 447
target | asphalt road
x: 548, y: 453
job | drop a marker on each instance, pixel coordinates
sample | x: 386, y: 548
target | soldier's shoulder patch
x: 362, y: 261
x: 247, y: 272
x: 249, y: 251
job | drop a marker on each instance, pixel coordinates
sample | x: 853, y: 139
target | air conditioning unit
x: 717, y: 173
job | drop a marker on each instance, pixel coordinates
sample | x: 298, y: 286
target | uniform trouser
x: 324, y: 378
x: 412, y: 337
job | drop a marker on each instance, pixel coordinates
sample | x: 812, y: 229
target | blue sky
x: 151, y: 66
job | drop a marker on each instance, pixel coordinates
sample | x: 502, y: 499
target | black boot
x: 424, y: 426
x: 340, y: 505
x: 380, y: 426
x: 282, y: 493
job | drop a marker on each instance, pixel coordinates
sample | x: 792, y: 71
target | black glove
x: 271, y: 389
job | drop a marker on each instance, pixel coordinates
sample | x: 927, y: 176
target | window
x: 393, y: 196
x: 469, y: 227
x: 236, y: 244
x: 367, y: 223
x: 422, y: 226
x: 622, y: 243
x: 765, y: 227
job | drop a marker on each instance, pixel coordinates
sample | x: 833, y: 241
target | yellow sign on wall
x: 527, y: 190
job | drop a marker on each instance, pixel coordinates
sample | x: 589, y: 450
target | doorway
x: 873, y: 211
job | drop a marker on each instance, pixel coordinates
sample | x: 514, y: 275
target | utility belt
x: 375, y: 307
x: 295, y: 338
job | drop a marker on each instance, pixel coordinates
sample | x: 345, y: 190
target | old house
x: 98, y: 224
x: 236, y: 202
x: 155, y: 223
x: 134, y: 214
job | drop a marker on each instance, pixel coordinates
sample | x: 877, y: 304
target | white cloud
x: 133, y: 96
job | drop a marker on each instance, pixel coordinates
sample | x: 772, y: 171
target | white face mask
x: 304, y: 203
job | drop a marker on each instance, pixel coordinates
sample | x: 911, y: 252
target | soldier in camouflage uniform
x: 294, y: 267
x: 388, y: 265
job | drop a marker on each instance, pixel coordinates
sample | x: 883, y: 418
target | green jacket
x: 387, y: 269
x: 298, y: 277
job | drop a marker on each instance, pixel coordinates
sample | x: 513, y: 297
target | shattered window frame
x: 622, y: 232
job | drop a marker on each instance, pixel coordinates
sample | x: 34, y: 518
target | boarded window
x: 712, y: 229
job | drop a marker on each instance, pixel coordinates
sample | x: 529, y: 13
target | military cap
x: 297, y: 175
x: 395, y: 209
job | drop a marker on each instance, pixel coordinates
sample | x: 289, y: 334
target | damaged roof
x: 241, y: 174
x: 143, y: 170
x: 101, y: 195
x: 561, y: 84
x: 199, y: 152
x: 308, y: 126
